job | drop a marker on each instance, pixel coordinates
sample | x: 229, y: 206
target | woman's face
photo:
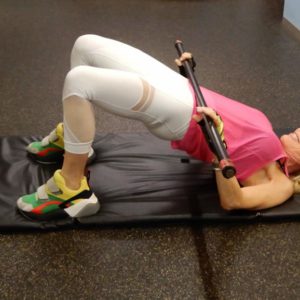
x: 291, y: 144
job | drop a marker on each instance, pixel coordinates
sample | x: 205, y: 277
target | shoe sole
x: 49, y: 160
x: 55, y: 160
x: 84, y: 208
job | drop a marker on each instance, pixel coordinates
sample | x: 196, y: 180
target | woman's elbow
x: 227, y: 207
x: 229, y: 204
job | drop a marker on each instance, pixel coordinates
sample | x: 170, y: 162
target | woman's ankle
x: 72, y: 182
x: 73, y: 169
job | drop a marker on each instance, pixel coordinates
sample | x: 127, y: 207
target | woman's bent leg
x: 101, y: 52
x: 119, y: 92
x: 122, y: 93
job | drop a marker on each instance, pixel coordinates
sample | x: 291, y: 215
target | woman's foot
x: 51, y: 149
x: 54, y: 199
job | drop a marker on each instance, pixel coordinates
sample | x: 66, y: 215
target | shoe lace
x: 51, y: 186
x: 52, y: 137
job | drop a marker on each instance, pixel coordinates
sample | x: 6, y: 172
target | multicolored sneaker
x: 55, y: 200
x: 51, y: 149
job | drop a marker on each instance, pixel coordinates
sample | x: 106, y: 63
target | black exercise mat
x: 137, y: 177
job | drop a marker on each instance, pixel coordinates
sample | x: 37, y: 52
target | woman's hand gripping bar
x: 212, y: 136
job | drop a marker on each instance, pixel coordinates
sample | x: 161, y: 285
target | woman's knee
x: 85, y: 42
x: 82, y: 52
x: 75, y: 82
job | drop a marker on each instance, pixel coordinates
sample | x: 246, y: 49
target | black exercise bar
x: 210, y: 132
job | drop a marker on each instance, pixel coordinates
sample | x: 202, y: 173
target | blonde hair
x: 296, y: 183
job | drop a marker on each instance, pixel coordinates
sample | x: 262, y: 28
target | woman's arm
x: 269, y: 188
x: 276, y: 189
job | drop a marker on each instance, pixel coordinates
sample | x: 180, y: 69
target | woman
x: 125, y: 81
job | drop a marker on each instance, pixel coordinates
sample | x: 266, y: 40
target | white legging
x: 125, y: 81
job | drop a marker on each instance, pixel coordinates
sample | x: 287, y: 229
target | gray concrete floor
x: 244, y: 51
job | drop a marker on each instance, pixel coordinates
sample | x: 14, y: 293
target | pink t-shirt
x: 251, y: 141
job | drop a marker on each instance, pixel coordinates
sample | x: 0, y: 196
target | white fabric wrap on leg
x: 72, y: 143
x: 78, y: 148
